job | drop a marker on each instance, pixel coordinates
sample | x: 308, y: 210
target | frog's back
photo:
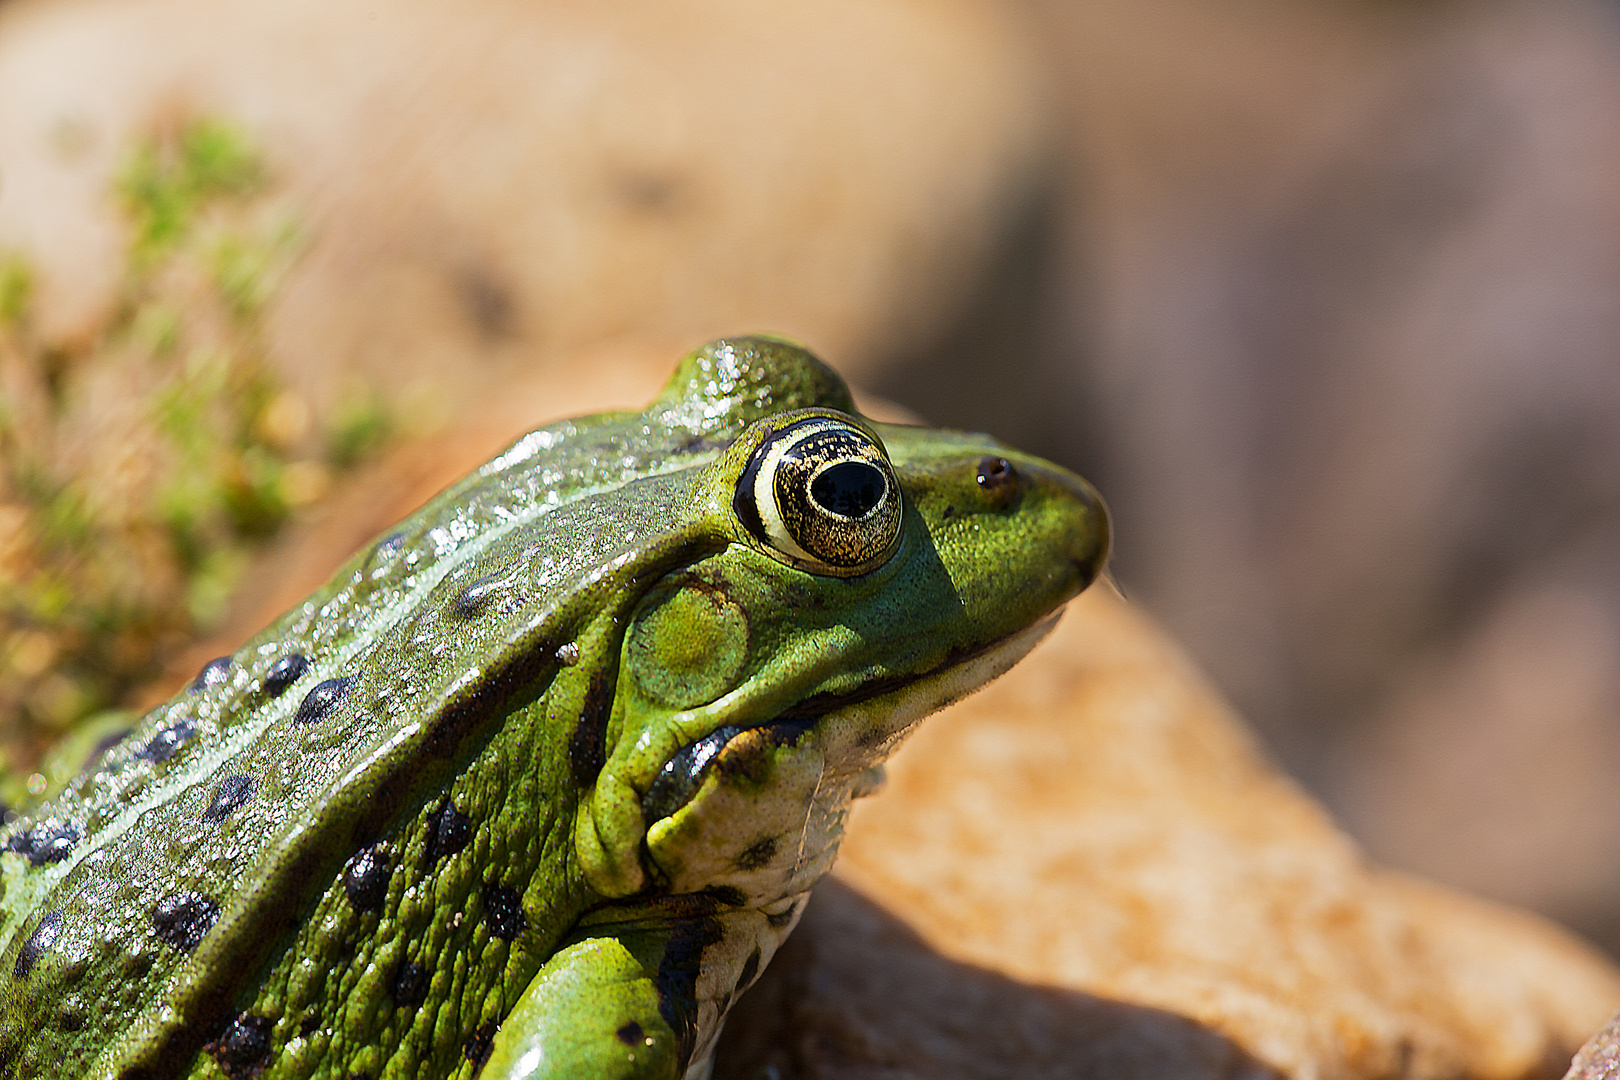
x: 322, y: 782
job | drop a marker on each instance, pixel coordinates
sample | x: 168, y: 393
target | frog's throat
x: 858, y: 729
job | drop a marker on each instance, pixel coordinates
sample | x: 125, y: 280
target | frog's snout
x: 1073, y: 514
x: 1094, y: 540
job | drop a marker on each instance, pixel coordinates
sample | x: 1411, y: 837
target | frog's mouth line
x: 912, y: 697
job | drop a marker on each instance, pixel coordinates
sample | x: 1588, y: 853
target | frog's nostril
x: 996, y: 472
x: 1000, y: 481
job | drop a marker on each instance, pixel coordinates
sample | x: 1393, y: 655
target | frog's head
x: 856, y: 577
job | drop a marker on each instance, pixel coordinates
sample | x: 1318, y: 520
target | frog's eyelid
x: 756, y: 491
x: 764, y: 495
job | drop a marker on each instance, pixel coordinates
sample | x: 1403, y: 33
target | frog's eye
x: 821, y: 495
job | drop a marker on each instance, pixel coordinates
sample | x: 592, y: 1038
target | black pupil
x: 849, y: 489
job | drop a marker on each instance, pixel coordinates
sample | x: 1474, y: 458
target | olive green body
x: 537, y: 784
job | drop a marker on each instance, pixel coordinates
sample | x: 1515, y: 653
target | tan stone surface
x: 1089, y: 868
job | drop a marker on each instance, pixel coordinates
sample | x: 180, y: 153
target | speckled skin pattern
x: 536, y: 785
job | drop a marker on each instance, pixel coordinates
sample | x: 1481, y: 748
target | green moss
x: 117, y: 568
x: 156, y: 327
x: 165, y: 186
x: 245, y: 268
x: 363, y: 421
x: 211, y: 584
x: 16, y: 288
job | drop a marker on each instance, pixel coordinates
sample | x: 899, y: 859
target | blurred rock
x: 1494, y: 764
x: 1088, y: 870
x: 1336, y: 314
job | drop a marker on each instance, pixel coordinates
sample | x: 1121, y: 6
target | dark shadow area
x: 856, y: 994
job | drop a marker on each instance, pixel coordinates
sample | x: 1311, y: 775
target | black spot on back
x: 587, y: 747
x: 631, y: 1034
x: 448, y: 833
x: 503, y: 911
x: 244, y: 1046
x: 40, y: 942
x: 322, y: 699
x: 284, y: 672
x: 410, y: 985
x: 365, y: 879
x: 46, y: 843
x: 182, y: 919
x: 232, y: 793
x: 212, y: 674
x: 162, y: 746
x: 757, y: 855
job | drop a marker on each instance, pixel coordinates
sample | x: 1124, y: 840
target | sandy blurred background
x: 1324, y: 296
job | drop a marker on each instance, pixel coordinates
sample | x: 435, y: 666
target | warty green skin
x: 442, y: 868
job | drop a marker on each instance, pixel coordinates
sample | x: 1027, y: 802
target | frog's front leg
x: 591, y: 1011
x: 639, y: 999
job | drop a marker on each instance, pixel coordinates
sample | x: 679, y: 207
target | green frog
x: 537, y: 785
